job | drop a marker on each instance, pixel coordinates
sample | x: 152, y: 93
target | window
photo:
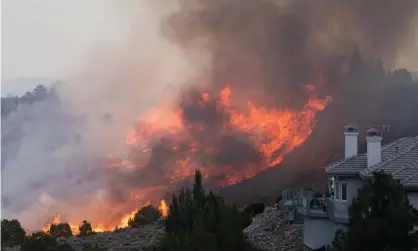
x: 337, y: 190
x: 343, y: 191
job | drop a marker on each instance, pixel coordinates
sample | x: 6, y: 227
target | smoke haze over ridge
x: 276, y: 45
x: 254, y: 45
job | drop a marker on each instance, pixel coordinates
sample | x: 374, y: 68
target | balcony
x: 316, y: 207
x: 337, y: 210
x: 291, y: 200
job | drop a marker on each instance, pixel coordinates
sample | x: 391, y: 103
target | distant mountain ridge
x: 18, y: 86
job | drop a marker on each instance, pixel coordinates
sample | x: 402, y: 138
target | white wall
x: 351, y: 145
x: 319, y: 232
x: 353, y: 186
x: 413, y: 199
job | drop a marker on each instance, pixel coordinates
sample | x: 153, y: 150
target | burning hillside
x: 209, y: 133
x: 228, y: 137
x: 247, y: 110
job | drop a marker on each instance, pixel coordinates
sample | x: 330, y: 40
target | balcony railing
x: 291, y: 200
x: 337, y: 211
x: 316, y: 207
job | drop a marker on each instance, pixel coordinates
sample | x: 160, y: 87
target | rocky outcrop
x: 126, y: 239
x: 270, y: 231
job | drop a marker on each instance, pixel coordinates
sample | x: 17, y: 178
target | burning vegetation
x: 229, y: 138
x: 228, y: 143
x: 264, y: 51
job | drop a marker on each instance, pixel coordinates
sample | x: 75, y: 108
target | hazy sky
x: 52, y: 38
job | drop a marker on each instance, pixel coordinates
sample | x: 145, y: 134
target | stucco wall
x: 319, y: 232
x: 413, y: 199
x: 353, y: 185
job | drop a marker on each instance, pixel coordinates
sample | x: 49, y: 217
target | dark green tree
x: 60, y: 230
x: 255, y: 208
x: 381, y: 218
x: 12, y: 233
x: 200, y: 222
x: 145, y: 215
x: 356, y: 65
x: 39, y: 241
x: 198, y: 192
x: 85, y: 229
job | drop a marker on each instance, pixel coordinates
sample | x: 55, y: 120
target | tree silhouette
x: 12, y: 233
x: 145, y: 215
x: 60, y: 230
x: 197, y: 221
x: 39, y: 241
x: 85, y: 228
x: 356, y: 65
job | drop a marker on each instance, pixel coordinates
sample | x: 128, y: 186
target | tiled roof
x: 400, y: 158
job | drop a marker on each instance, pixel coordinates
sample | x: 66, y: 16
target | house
x: 324, y: 215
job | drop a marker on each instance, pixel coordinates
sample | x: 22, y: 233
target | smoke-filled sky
x: 48, y: 38
x: 123, y: 56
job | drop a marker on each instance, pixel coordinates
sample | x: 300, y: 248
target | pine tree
x: 12, y: 233
x: 356, y: 65
x: 381, y: 218
x: 85, y: 228
x: 199, y: 222
x: 198, y: 192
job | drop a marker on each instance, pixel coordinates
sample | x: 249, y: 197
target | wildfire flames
x: 206, y: 128
x: 229, y: 138
x: 163, y: 208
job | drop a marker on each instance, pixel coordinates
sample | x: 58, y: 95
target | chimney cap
x: 373, y: 133
x: 351, y: 128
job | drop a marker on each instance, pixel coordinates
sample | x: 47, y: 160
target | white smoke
x: 57, y: 166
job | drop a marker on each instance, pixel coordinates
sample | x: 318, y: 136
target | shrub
x: 315, y: 202
x: 39, y: 241
x: 254, y: 208
x: 60, y: 230
x: 63, y: 247
x: 85, y: 229
x: 93, y: 248
x: 12, y: 233
x: 145, y: 215
x: 317, y: 194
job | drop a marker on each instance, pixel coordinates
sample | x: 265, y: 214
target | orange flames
x: 272, y: 132
x: 163, y: 208
x: 193, y: 144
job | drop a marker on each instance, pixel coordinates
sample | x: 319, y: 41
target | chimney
x: 351, y: 136
x: 374, y: 147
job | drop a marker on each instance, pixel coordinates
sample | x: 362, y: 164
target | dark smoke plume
x: 273, y: 46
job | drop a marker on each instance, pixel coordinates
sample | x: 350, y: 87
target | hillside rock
x: 126, y: 239
x: 270, y: 231
x: 15, y: 248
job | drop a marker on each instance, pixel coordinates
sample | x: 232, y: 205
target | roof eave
x: 410, y: 188
x: 336, y: 173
